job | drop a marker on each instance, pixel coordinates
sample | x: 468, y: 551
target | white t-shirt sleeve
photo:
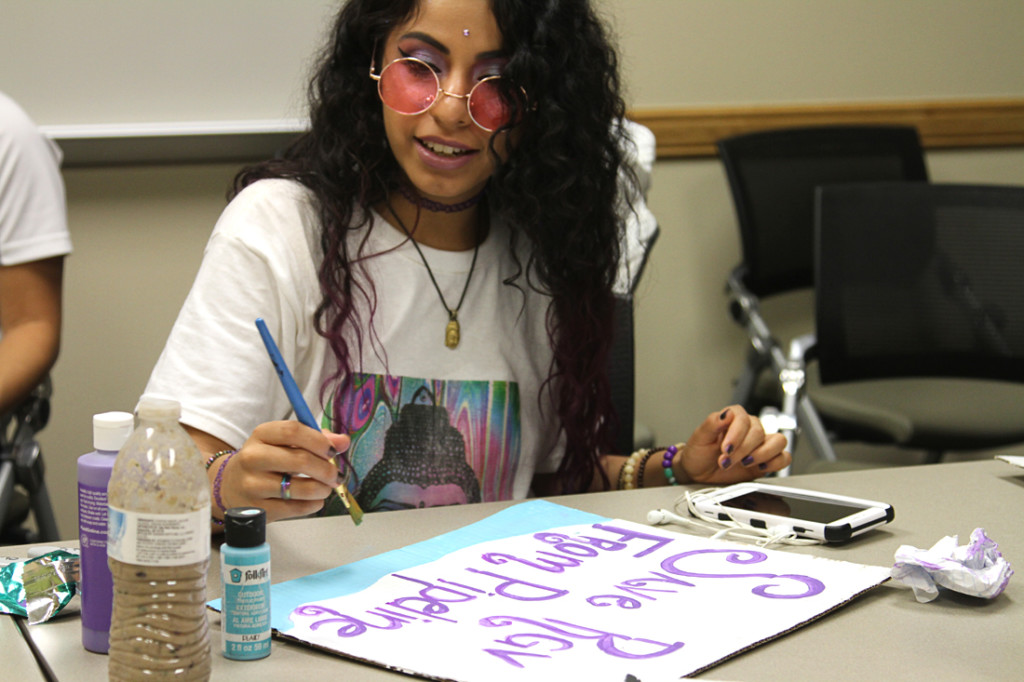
x: 33, y: 209
x: 258, y: 263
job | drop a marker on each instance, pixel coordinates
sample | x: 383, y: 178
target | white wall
x: 712, y: 52
x: 129, y: 61
x: 139, y: 232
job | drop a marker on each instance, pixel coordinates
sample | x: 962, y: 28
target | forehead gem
x: 465, y: 32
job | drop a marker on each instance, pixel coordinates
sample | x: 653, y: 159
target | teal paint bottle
x: 245, y: 575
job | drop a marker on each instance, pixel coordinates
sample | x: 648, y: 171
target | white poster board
x: 599, y: 600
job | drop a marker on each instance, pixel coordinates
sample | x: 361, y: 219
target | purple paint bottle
x: 110, y: 430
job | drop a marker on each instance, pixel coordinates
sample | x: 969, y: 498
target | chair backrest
x: 917, y: 279
x: 622, y: 374
x: 27, y: 418
x: 772, y: 175
x: 21, y: 462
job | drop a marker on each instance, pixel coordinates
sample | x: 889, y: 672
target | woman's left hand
x: 731, y: 446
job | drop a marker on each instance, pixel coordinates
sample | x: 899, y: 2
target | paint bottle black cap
x: 245, y: 526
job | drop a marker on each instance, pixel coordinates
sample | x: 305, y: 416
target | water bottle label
x: 158, y: 539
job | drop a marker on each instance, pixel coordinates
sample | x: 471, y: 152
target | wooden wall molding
x: 681, y: 133
x: 692, y: 132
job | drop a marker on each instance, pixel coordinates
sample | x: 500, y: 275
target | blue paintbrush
x: 304, y: 414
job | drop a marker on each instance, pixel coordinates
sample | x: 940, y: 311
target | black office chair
x: 622, y: 374
x: 640, y: 234
x: 919, y: 317
x: 772, y: 177
x: 22, y: 487
x: 622, y: 361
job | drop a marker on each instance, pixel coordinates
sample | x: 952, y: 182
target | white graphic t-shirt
x: 429, y: 425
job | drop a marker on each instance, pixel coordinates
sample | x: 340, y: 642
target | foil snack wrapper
x: 977, y: 569
x: 39, y: 588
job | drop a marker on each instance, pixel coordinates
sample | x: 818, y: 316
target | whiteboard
x: 112, y: 62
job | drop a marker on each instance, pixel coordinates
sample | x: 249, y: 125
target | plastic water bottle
x: 159, y: 550
x: 110, y: 430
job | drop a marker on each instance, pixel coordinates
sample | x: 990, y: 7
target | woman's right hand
x: 281, y: 459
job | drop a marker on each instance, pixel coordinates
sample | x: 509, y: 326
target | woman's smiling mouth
x: 443, y: 149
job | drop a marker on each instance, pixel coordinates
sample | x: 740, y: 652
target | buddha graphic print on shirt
x: 429, y: 443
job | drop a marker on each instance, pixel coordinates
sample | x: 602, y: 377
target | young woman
x: 435, y: 259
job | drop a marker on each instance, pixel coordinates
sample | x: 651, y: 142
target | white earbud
x: 659, y: 517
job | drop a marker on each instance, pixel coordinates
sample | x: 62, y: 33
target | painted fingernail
x: 728, y: 449
x: 724, y: 415
x: 748, y: 460
x: 726, y: 463
x: 763, y: 465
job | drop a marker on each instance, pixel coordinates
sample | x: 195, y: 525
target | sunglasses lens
x: 408, y: 86
x: 487, y: 105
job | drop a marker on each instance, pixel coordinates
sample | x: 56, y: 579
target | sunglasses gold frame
x: 440, y: 90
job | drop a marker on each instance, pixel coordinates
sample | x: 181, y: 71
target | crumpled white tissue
x: 977, y: 569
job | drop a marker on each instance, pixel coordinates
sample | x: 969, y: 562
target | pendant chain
x: 452, y: 330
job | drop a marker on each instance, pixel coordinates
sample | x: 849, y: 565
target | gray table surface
x: 17, y: 657
x: 884, y: 633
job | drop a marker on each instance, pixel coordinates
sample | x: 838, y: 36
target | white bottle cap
x: 110, y: 430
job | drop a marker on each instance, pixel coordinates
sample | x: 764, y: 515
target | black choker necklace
x: 437, y: 206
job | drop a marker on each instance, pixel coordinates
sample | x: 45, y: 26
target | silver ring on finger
x: 286, y: 486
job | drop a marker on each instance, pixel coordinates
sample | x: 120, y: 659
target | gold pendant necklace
x: 452, y: 330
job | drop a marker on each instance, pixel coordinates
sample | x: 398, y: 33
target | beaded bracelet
x: 641, y: 467
x: 666, y: 462
x: 629, y: 467
x: 217, y: 481
x: 622, y: 475
x: 217, y: 455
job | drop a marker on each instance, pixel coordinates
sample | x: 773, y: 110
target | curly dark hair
x: 558, y: 190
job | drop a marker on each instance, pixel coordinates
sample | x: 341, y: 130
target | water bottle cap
x: 245, y: 526
x: 159, y: 409
x: 110, y: 430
